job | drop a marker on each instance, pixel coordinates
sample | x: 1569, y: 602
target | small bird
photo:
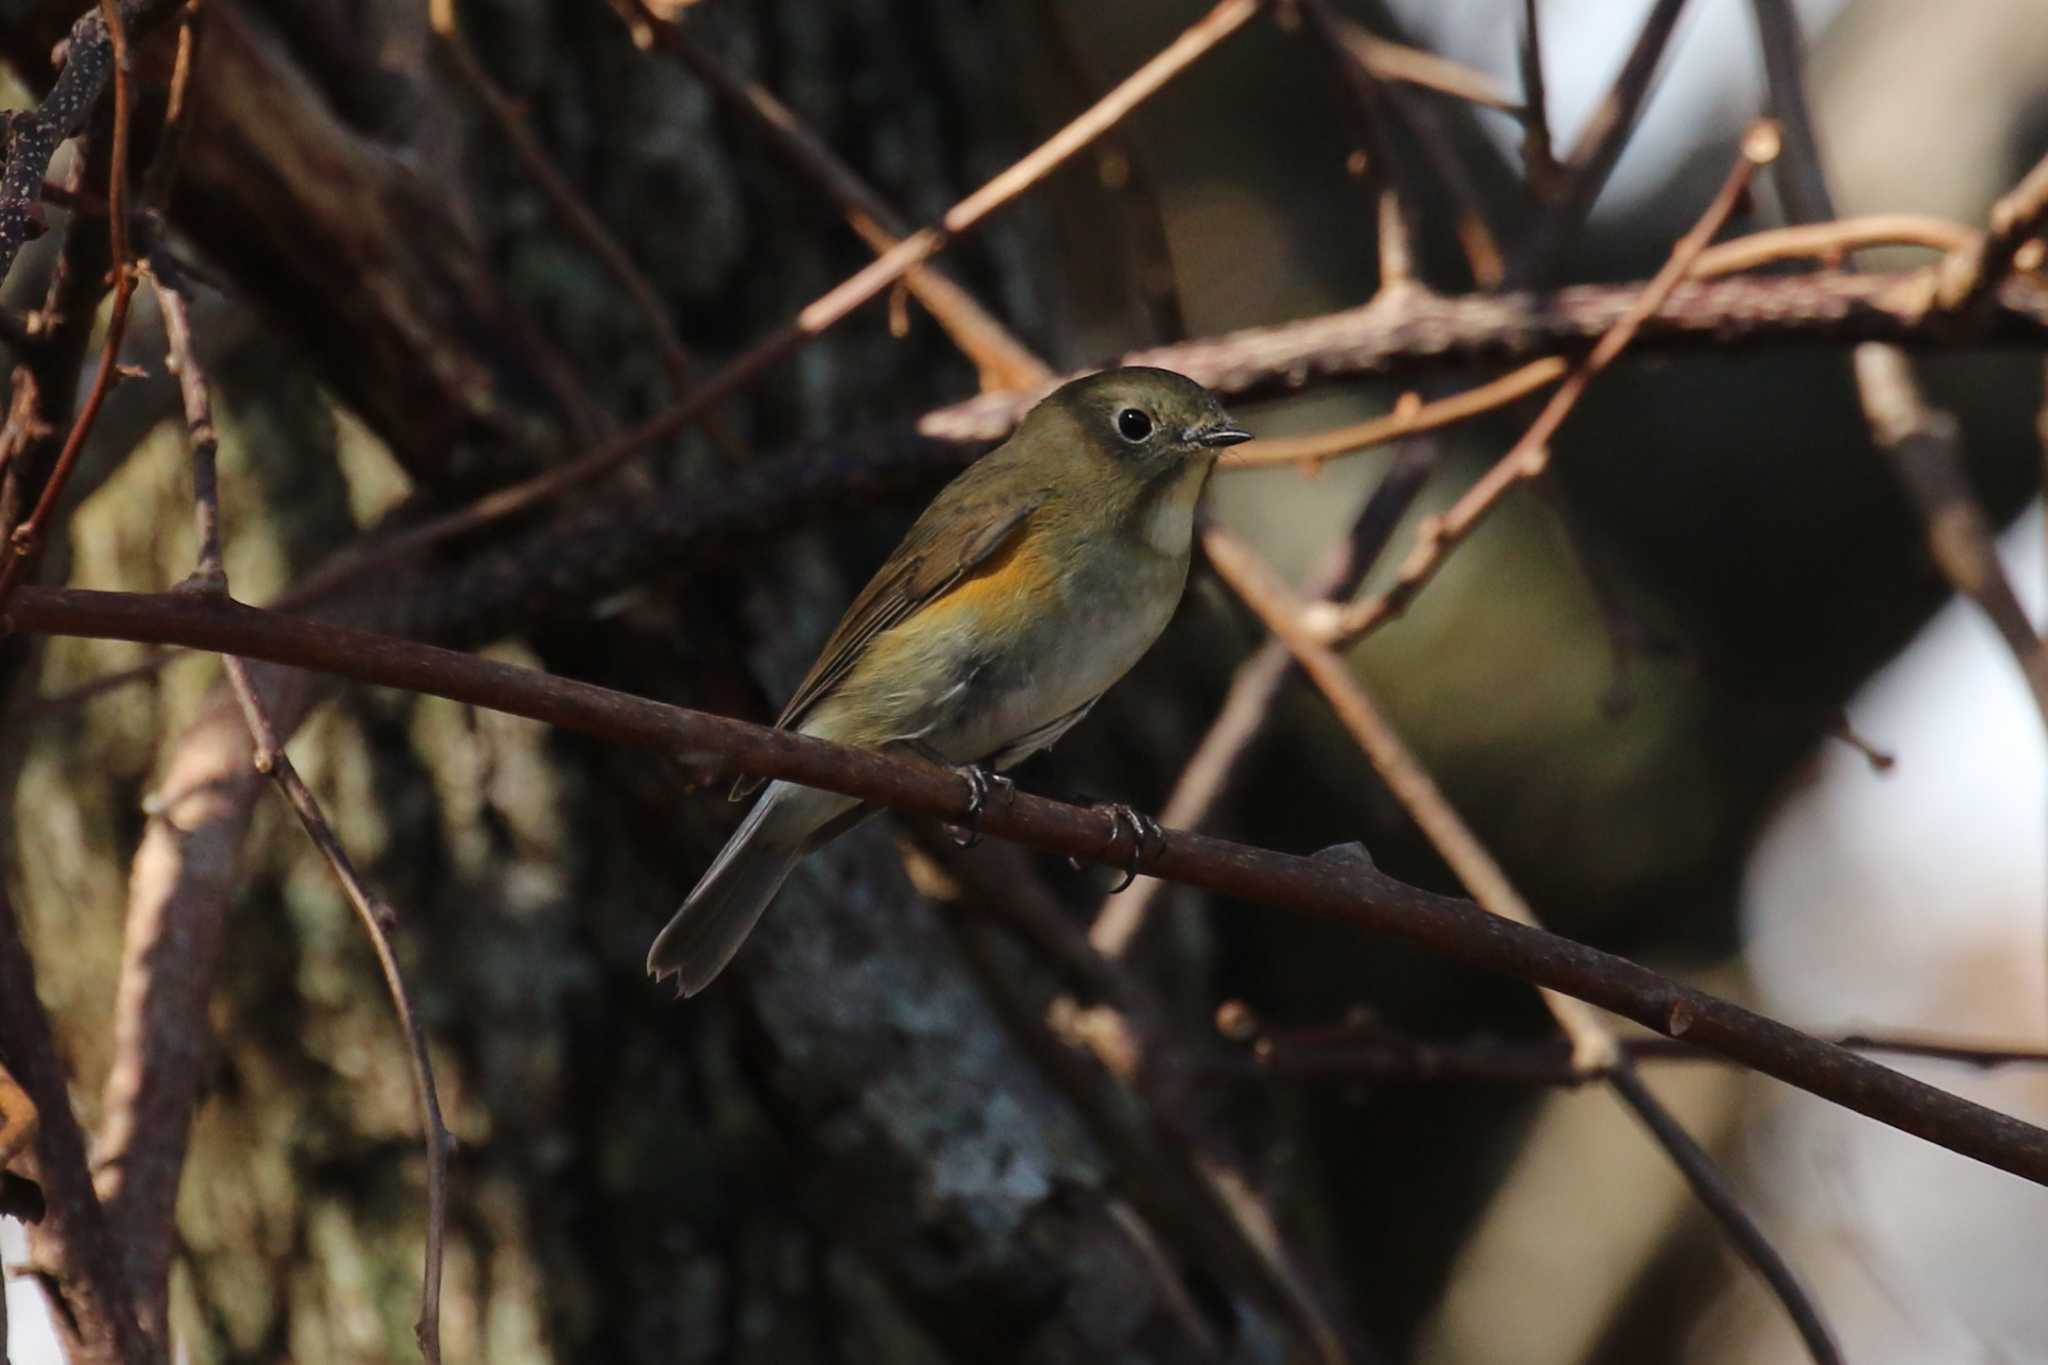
x: 1029, y: 586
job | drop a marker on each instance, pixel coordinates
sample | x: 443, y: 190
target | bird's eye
x: 1133, y: 425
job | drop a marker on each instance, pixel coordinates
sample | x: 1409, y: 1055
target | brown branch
x: 1529, y: 457
x: 1336, y: 889
x: 569, y: 206
x: 1410, y: 417
x: 1248, y: 706
x: 378, y: 920
x: 208, y: 573
x: 1714, y: 1191
x: 828, y: 309
x: 1594, y: 1048
x: 1539, y: 157
x: 1004, y: 362
x: 1358, y: 87
x: 82, y: 1266
x: 1970, y: 277
x: 33, y: 135
x: 1593, y: 156
x: 25, y: 539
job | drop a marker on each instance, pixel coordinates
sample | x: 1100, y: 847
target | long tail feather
x: 742, y: 880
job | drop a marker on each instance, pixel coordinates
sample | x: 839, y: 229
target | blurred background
x: 799, y: 1166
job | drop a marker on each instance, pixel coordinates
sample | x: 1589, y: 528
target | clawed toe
x: 1146, y: 834
x: 980, y: 783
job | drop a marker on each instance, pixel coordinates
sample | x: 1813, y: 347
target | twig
x: 1410, y: 417
x: 570, y: 207
x: 1359, y: 1049
x: 1248, y: 706
x: 828, y: 309
x: 209, y: 579
x: 1539, y: 158
x: 209, y: 574
x: 1003, y: 361
x: 1359, y: 88
x: 162, y: 176
x: 1424, y: 70
x: 1593, y: 1045
x: 97, y: 1311
x: 23, y: 542
x: 1340, y: 890
x: 1475, y: 234
x: 1594, y: 1049
x: 1923, y: 444
x: 33, y: 135
x: 1971, y: 276
x: 1712, y: 1189
x: 378, y: 920
x: 1599, y: 146
x: 1530, y: 456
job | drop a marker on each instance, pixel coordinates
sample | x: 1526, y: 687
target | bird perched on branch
x: 1030, y: 585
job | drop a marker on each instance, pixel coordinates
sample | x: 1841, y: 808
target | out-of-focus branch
x: 1004, y: 361
x: 832, y: 307
x: 1359, y: 88
x: 570, y: 207
x: 1591, y: 160
x: 1530, y: 456
x: 1339, y: 889
x: 1970, y: 277
x: 33, y: 135
x: 24, y: 540
x: 81, y: 1265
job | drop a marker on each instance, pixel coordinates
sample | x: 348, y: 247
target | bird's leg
x: 981, y: 782
x: 1145, y: 833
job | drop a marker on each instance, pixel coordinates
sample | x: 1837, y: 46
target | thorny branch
x: 1337, y: 889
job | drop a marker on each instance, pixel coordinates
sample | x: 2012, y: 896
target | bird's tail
x: 742, y: 880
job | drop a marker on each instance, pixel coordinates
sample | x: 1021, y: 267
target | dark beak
x: 1216, y: 437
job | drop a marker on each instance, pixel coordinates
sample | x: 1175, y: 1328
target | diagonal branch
x: 1339, y: 890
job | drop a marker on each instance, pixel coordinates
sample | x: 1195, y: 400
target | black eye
x: 1133, y: 425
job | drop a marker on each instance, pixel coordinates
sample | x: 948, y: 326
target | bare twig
x: 378, y: 920
x: 1425, y: 70
x: 83, y: 1265
x: 1539, y: 157
x: 1337, y: 889
x: 1970, y: 277
x: 830, y: 308
x: 1593, y: 1045
x: 1004, y: 362
x: 1358, y: 86
x: 569, y: 205
x: 1248, y: 706
x: 1592, y: 158
x: 162, y: 176
x: 1530, y: 455
x: 209, y: 578
x: 1410, y: 417
x: 25, y: 539
x: 1924, y: 446
x: 1594, y: 1049
x: 1712, y: 1189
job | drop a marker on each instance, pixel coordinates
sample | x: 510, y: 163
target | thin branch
x: 1004, y: 362
x: 569, y: 206
x: 1286, y: 617
x: 26, y: 538
x: 1924, y: 445
x: 1425, y: 70
x: 1594, y: 1049
x: 1599, y: 147
x: 1712, y: 1189
x: 1539, y: 156
x: 378, y: 920
x: 98, y: 1313
x: 1248, y: 707
x: 1358, y: 87
x: 33, y: 135
x: 162, y: 176
x: 1410, y: 417
x: 1336, y: 889
x: 830, y: 308
x: 1971, y: 277
x: 209, y: 579
x: 1530, y: 456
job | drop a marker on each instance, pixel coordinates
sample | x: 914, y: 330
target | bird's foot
x: 981, y: 784
x: 1146, y: 834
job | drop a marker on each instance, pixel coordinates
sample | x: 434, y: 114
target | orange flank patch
x: 1002, y: 595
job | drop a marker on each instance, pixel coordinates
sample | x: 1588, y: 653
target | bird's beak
x: 1217, y: 437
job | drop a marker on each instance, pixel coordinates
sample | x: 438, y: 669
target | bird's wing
x: 953, y: 537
